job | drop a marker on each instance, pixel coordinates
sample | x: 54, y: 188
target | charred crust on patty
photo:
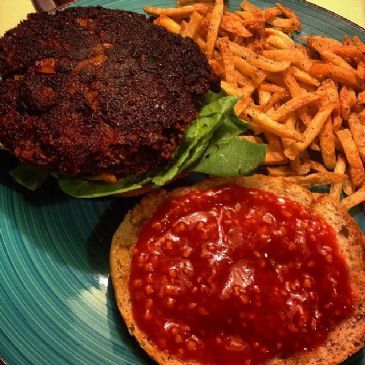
x: 89, y: 91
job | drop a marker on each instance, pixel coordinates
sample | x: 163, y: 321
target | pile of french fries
x: 305, y: 99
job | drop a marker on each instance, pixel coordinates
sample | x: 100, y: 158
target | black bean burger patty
x: 90, y: 91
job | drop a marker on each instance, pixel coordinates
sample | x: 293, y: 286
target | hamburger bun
x: 344, y: 340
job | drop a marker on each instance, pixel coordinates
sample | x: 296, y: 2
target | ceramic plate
x: 56, y: 300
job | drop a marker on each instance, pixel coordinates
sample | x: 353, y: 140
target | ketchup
x: 237, y: 276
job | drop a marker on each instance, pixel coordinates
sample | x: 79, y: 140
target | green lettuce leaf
x: 29, y: 176
x: 231, y: 157
x: 80, y: 188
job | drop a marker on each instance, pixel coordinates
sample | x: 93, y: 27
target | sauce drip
x: 236, y: 276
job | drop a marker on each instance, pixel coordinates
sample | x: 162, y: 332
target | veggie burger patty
x: 90, y: 91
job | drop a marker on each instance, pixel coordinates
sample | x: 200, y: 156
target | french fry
x: 270, y: 87
x: 290, y: 14
x: 241, y: 105
x: 347, y: 101
x: 361, y: 98
x: 356, y: 167
x: 310, y: 133
x: 271, y: 13
x: 274, y: 151
x: 168, y: 23
x: 294, y: 104
x: 347, y: 186
x: 279, y: 42
x: 262, y: 121
x: 193, y: 25
x: 227, y: 58
x: 233, y: 90
x: 316, y: 166
x: 333, y: 58
x: 319, y: 178
x: 324, y: 70
x: 276, y: 32
x: 213, y: 28
x: 257, y: 60
x: 357, y: 128
x: 304, y: 76
x: 340, y: 168
x: 217, y: 66
x: 327, y: 144
x: 234, y: 24
x: 182, y: 11
x: 294, y: 56
x: 275, y: 98
x: 280, y: 171
x: 249, y: 70
x: 354, y: 199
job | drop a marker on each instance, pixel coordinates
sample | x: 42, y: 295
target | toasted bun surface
x: 347, y: 337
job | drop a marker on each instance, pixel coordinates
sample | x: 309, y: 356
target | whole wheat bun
x: 347, y: 337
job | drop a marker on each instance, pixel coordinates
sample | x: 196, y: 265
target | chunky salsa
x: 231, y: 275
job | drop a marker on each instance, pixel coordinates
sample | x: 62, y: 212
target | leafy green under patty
x: 211, y: 145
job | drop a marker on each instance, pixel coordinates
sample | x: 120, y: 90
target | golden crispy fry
x: 337, y: 120
x: 347, y: 186
x: 304, y: 76
x: 361, y: 98
x: 279, y: 42
x: 227, y: 57
x: 340, y: 168
x: 250, y: 8
x: 171, y: 12
x: 310, y: 133
x: 271, y: 13
x: 249, y: 70
x: 319, y: 178
x: 265, y: 123
x: 270, y: 87
x: 347, y: 101
x: 331, y: 57
x: 274, y: 151
x: 293, y: 56
x: 287, y: 25
x: 280, y: 171
x: 279, y: 33
x: 327, y: 144
x: 234, y: 24
x: 233, y: 90
x: 241, y: 105
x: 348, y: 51
x: 361, y: 70
x: 256, y: 60
x: 357, y: 128
x: 168, y: 23
x: 336, y: 73
x: 290, y: 14
x: 193, y: 25
x: 213, y: 28
x: 353, y: 157
x: 294, y: 104
x: 274, y: 99
x: 319, y: 41
x: 217, y: 66
x: 354, y: 199
x: 316, y: 166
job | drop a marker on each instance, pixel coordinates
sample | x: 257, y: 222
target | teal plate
x: 56, y: 300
